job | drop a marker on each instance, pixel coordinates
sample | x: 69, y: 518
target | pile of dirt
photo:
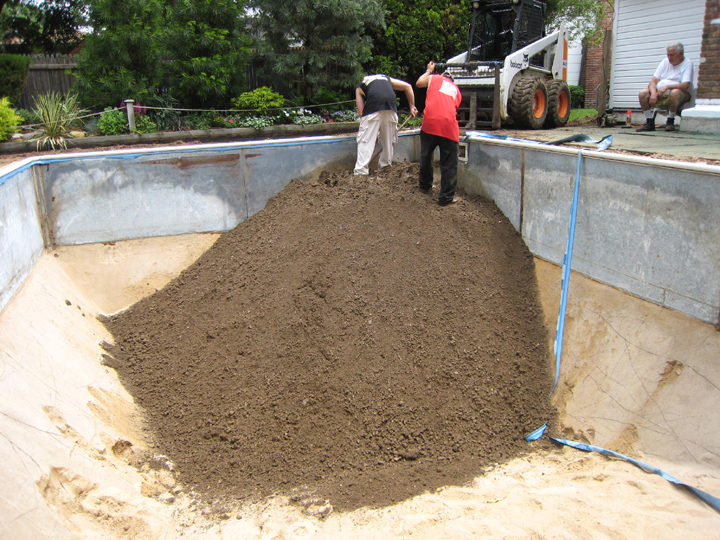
x: 353, y: 342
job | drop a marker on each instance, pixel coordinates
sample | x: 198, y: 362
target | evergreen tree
x: 47, y: 27
x: 583, y: 18
x: 209, y: 52
x: 123, y: 56
x: 305, y: 45
x: 419, y: 31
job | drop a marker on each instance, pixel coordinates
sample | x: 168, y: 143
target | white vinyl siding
x: 642, y: 30
x: 574, y: 64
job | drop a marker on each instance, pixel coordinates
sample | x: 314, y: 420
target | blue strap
x: 566, y: 275
x: 714, y: 502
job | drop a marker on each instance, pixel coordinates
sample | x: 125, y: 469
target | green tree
x: 209, y: 52
x: 49, y: 26
x: 123, y: 56
x: 419, y: 31
x: 583, y: 18
x: 308, y: 44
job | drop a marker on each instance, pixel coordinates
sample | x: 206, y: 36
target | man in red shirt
x: 439, y: 128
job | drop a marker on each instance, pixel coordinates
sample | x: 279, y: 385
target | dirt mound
x: 353, y: 342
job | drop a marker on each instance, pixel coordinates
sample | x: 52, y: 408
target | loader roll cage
x: 501, y: 27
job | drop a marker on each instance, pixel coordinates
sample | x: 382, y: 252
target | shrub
x: 58, y: 116
x: 412, y: 122
x: 257, y: 122
x: 344, y: 116
x: 199, y: 120
x: 9, y: 121
x: 164, y: 114
x: 577, y: 97
x: 325, y: 96
x: 15, y: 71
x: 305, y: 119
x: 260, y: 100
x: 143, y: 124
x: 113, y: 122
x: 28, y: 117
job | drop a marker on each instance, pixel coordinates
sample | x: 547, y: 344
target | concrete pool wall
x: 637, y: 377
x: 647, y: 227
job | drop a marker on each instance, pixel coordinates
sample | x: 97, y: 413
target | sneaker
x: 446, y: 202
x: 670, y: 126
x: 425, y: 189
x: 648, y: 126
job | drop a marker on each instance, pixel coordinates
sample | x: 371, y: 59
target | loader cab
x: 500, y: 27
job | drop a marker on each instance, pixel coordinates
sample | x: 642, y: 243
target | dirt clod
x: 353, y: 344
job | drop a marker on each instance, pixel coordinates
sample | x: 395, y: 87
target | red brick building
x: 709, y: 72
x: 591, y: 73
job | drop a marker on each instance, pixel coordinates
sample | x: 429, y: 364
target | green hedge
x: 577, y: 97
x: 15, y: 70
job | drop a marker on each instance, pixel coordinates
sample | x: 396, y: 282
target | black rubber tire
x: 527, y: 107
x: 558, y: 103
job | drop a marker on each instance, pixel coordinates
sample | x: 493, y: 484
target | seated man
x: 669, y: 87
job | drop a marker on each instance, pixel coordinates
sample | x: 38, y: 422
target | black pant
x: 448, y: 164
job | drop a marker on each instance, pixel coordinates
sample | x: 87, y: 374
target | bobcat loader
x: 512, y: 71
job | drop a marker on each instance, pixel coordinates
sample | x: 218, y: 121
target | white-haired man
x: 669, y: 88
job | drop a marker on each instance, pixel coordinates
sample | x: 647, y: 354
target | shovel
x: 376, y: 154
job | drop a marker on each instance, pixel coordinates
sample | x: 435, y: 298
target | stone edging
x: 204, y: 135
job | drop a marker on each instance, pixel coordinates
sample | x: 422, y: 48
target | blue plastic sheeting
x: 535, y: 435
x: 180, y: 150
x: 483, y: 135
x: 602, y: 144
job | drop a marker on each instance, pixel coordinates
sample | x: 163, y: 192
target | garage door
x: 642, y: 30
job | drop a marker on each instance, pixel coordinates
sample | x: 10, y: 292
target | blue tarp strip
x: 602, y: 144
x: 567, y: 259
x: 714, y: 502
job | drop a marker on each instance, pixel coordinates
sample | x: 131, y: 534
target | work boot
x: 649, y: 126
x: 670, y: 126
x: 447, y: 202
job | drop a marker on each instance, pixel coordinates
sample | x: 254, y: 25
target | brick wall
x: 591, y: 74
x: 709, y: 71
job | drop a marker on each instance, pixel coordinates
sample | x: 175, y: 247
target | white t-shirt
x: 669, y: 74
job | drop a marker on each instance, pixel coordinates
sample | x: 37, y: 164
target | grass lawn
x: 581, y: 113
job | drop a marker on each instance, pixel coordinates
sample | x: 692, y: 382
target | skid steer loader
x: 512, y: 71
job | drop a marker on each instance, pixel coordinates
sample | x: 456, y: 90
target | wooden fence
x: 48, y: 73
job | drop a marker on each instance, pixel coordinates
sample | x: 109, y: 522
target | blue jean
x: 448, y: 164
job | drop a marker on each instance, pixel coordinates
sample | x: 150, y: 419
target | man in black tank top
x: 377, y: 106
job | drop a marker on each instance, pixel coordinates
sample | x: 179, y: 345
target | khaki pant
x: 664, y: 101
x: 384, y: 123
